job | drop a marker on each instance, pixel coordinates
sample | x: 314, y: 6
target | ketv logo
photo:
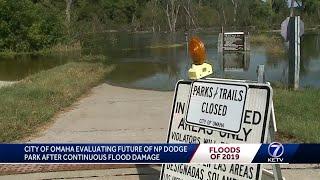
x: 275, y: 150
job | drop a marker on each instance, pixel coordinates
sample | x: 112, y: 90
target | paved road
x: 113, y: 114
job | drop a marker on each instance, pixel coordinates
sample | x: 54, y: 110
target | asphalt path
x: 110, y: 114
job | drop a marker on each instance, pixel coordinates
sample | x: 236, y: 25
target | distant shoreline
x: 207, y: 29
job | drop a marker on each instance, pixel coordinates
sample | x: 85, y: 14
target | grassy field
x: 298, y: 114
x: 27, y: 106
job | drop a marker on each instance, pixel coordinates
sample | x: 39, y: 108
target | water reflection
x: 160, y: 68
x: 13, y: 69
x: 158, y: 60
x: 235, y: 61
x: 157, y: 69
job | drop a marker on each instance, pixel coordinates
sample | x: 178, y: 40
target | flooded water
x: 17, y: 68
x: 143, y: 60
x: 158, y: 61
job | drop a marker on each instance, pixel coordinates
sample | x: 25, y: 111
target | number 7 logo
x: 275, y: 149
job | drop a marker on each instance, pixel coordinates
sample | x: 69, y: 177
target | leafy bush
x: 26, y: 26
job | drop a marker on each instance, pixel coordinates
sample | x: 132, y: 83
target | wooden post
x: 261, y: 75
x: 272, y: 127
x: 220, y: 40
x: 247, y: 42
x: 186, y: 36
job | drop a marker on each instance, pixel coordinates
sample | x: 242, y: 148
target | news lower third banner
x: 160, y: 153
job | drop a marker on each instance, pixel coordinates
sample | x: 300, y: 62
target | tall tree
x: 235, y: 7
x: 172, y: 12
x: 190, y: 16
x: 68, y: 14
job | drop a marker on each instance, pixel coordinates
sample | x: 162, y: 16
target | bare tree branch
x: 190, y: 17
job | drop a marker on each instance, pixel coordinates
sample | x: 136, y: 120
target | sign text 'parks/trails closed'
x: 253, y: 130
x: 217, y: 105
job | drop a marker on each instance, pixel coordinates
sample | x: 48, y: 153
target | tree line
x: 31, y: 25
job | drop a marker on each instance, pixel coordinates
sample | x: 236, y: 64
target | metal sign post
x: 272, y: 128
x: 294, y: 51
x: 292, y: 28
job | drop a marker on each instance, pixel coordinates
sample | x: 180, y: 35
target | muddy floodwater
x: 158, y: 60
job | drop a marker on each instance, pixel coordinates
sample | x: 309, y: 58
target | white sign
x: 284, y: 28
x: 253, y: 130
x: 296, y: 3
x: 217, y: 105
x: 233, y: 41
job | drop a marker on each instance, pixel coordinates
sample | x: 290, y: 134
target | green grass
x: 56, y: 49
x: 298, y: 114
x: 61, y: 48
x: 30, y: 104
x: 260, y: 39
x: 12, y: 54
x: 159, y: 46
x: 165, y: 46
x: 273, y: 44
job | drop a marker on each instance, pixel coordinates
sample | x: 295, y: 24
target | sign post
x: 273, y: 128
x: 292, y: 28
x: 294, y: 51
